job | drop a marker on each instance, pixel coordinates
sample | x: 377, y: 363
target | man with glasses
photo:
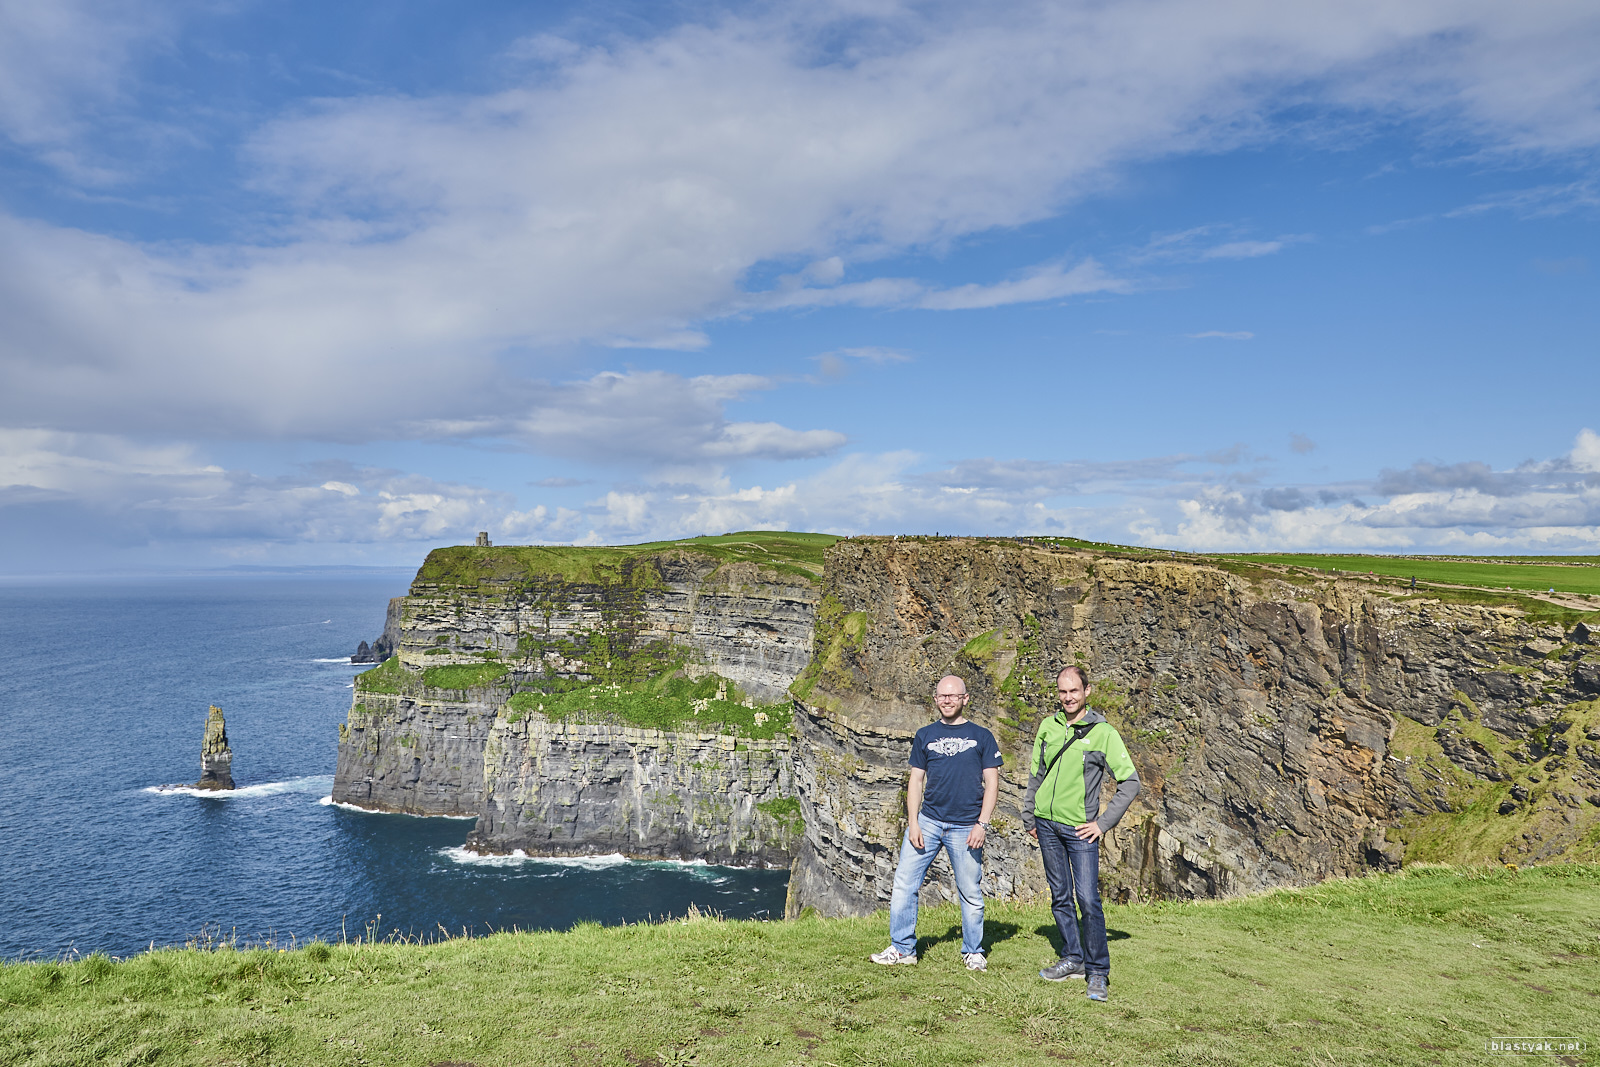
x: 955, y: 778
x: 1073, y: 752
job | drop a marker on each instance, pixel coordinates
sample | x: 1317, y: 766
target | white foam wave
x: 329, y: 802
x: 699, y: 868
x: 594, y: 863
x: 315, y: 783
x: 340, y: 659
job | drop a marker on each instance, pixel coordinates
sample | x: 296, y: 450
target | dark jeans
x: 1072, y: 867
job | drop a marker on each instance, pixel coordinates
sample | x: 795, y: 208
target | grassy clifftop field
x: 1422, y: 967
x: 1564, y: 574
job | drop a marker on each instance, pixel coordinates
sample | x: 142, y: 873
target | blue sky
x: 282, y: 286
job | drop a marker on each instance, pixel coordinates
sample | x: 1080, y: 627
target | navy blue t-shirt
x: 955, y: 758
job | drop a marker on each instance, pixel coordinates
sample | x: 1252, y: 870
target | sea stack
x: 216, y: 758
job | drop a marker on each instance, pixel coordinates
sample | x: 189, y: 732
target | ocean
x: 103, y: 702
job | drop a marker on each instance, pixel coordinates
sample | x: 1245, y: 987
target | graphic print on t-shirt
x: 954, y: 758
x: 952, y: 746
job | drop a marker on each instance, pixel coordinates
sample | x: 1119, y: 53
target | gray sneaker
x: 975, y: 961
x: 1061, y: 970
x: 891, y: 955
x: 1097, y: 987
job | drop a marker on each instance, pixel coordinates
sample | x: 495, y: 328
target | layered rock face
x: 500, y: 623
x: 1284, y: 731
x: 1287, y: 726
x: 579, y: 789
x: 418, y: 751
x: 750, y: 625
x: 216, y: 758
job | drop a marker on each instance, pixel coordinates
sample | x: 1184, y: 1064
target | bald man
x: 955, y: 777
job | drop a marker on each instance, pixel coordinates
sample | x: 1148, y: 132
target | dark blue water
x: 103, y: 695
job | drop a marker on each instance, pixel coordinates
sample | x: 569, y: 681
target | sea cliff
x: 1287, y: 727
x: 747, y: 699
x: 594, y: 700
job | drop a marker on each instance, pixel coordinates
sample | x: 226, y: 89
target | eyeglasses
x: 951, y: 696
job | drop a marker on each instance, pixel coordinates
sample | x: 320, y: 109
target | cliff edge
x: 1287, y: 727
x: 595, y: 700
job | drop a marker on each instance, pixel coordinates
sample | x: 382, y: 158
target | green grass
x: 1528, y: 576
x: 669, y: 703
x: 463, y: 675
x: 787, y: 811
x: 1422, y: 967
x: 387, y: 677
x: 796, y: 554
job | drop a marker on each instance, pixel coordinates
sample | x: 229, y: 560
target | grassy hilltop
x: 796, y: 554
x: 1564, y: 574
x: 1422, y: 967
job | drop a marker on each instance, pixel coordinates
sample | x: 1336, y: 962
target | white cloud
x: 835, y: 364
x: 63, y: 64
x: 1223, y: 335
x: 1202, y: 243
x: 623, y: 194
x: 1242, y: 250
x: 1540, y: 202
x: 1585, y: 454
x: 1050, y: 282
x: 644, y: 417
x: 134, y: 493
x: 138, y: 493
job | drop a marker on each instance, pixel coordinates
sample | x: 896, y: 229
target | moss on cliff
x: 1536, y: 803
x: 671, y: 703
x: 838, y: 632
x: 390, y: 676
x: 786, y: 811
x: 463, y: 675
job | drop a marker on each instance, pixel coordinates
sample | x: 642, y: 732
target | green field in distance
x: 1536, y: 576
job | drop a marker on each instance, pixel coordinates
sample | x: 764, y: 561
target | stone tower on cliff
x: 216, y: 758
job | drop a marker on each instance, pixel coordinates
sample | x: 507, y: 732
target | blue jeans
x: 908, y: 876
x: 1072, y: 867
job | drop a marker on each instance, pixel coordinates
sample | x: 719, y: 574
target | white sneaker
x: 976, y: 961
x: 892, y: 955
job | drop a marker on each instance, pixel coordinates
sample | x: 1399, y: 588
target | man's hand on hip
x: 1089, y: 831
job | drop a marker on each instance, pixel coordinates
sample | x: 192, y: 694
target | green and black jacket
x: 1070, y: 792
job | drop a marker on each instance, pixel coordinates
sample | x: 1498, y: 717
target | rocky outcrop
x: 481, y: 625
x: 388, y: 641
x: 216, y: 758
x: 580, y: 789
x: 418, y: 751
x: 1285, y: 730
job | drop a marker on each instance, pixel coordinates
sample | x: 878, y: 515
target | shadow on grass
x: 1049, y: 932
x: 993, y: 934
